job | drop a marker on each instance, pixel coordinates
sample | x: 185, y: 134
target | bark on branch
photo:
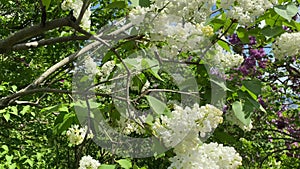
x: 24, y: 46
x: 50, y: 90
x: 7, y: 44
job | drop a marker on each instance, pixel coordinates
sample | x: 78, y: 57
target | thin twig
x: 84, y: 7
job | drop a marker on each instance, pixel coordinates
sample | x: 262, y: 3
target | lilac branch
x: 30, y: 32
x: 24, y: 46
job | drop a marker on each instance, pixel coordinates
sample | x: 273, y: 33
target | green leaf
x: 149, y: 119
x: 14, y: 88
x: 187, y: 84
x: 14, y: 110
x: 60, y: 118
x: 39, y: 156
x: 25, y: 110
x: 159, y: 148
x: 157, y: 106
x: 249, y: 107
x: 32, y: 113
x: 224, y: 45
x: 250, y: 97
x: 142, y: 3
x: 138, y: 82
x: 6, y: 116
x: 117, y: 4
x: 46, y: 3
x: 237, y: 108
x: 132, y: 64
x: 93, y: 104
x: 56, y: 108
x: 145, y: 3
x: 84, y: 79
x: 253, y: 85
x: 106, y: 166
x: 12, y: 166
x: 293, y: 25
x: 262, y: 108
x: 8, y: 158
x: 243, y: 34
x: 124, y: 163
x: 135, y: 167
x: 152, y: 67
x: 217, y: 23
x: 286, y: 11
x: 158, y: 144
x: 246, y: 93
x: 50, y: 109
x: 29, y: 161
x: 134, y: 3
x: 269, y: 31
x: 68, y: 120
x: 3, y: 111
x: 221, y: 84
x: 2, y: 88
x: 63, y: 108
x: 6, y: 149
x: 255, y: 104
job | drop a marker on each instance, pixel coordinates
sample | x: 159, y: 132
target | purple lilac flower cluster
x: 259, y: 56
x: 286, y: 125
x: 285, y: 122
x: 256, y: 57
x: 234, y: 39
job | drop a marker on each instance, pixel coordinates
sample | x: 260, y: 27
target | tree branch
x: 49, y: 90
x: 24, y: 46
x: 28, y: 103
x: 30, y: 32
x: 44, y: 13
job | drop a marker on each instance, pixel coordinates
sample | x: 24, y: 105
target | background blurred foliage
x: 32, y: 135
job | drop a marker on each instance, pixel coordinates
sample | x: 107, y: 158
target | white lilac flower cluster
x: 182, y: 37
x: 246, y: 11
x: 209, y: 117
x: 103, y: 72
x: 76, y: 135
x: 178, y: 26
x: 199, y: 10
x: 172, y: 130
x: 76, y: 6
x: 87, y: 162
x: 128, y: 126
x: 106, y: 69
x: 145, y: 87
x: 287, y: 44
x: 224, y: 59
x: 181, y: 132
x: 206, y: 156
x: 137, y: 15
x: 180, y: 23
x: 91, y: 66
